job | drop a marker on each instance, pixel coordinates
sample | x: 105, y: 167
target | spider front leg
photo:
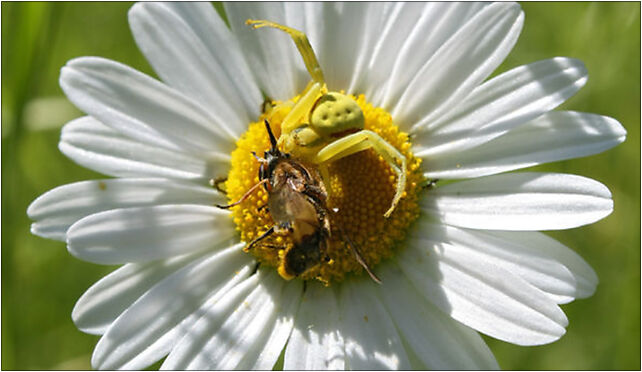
x: 302, y: 44
x: 301, y: 108
x: 313, y: 91
x: 363, y: 140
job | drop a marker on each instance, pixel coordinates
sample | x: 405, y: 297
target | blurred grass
x: 41, y: 281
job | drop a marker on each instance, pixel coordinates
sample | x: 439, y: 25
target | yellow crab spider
x: 325, y: 126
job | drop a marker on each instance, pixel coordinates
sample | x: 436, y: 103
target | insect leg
x: 258, y: 158
x: 430, y: 184
x: 358, y: 256
x: 216, y: 184
x: 325, y: 176
x: 314, y: 192
x: 360, y: 259
x: 267, y: 105
x: 245, y: 196
x: 258, y: 239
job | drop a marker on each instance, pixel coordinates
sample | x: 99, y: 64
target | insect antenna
x: 272, y: 138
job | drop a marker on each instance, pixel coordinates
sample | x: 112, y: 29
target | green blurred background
x: 41, y: 281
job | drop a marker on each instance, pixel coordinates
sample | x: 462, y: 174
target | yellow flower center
x: 361, y: 188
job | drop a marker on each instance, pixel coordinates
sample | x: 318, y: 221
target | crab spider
x: 325, y: 126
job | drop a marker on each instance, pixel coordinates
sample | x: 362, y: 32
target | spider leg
x: 315, y: 88
x: 302, y: 43
x: 264, y: 207
x: 363, y: 140
x: 301, y: 108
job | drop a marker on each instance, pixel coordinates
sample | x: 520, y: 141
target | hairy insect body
x: 303, y: 256
x: 297, y: 205
x: 296, y: 201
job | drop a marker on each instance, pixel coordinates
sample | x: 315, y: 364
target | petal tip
x: 138, y: 13
x: 77, y: 315
x: 587, y: 288
x: 617, y: 128
x: 34, y: 230
x: 32, y: 209
x: 137, y: 7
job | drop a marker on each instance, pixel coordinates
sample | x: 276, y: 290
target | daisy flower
x: 457, y: 256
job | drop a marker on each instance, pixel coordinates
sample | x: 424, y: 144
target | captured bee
x: 297, y: 204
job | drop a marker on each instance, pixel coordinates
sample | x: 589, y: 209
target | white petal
x: 366, y: 37
x: 411, y: 35
x: 246, y: 329
x: 399, y: 20
x: 503, y: 103
x: 142, y: 108
x: 316, y: 343
x: 104, y: 301
x: 200, y: 333
x: 266, y: 352
x: 557, y: 135
x: 371, y: 340
x: 481, y: 294
x: 100, y: 148
x: 520, y: 201
x: 440, y: 342
x: 148, y: 233
x: 460, y: 64
x: 521, y: 253
x: 148, y: 329
x: 191, y: 49
x: 540, y: 244
x: 271, y: 54
x: 57, y: 209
